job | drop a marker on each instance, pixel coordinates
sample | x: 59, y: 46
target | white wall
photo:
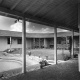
x: 4, y: 45
x: 15, y: 44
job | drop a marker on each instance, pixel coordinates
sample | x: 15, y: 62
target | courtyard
x: 62, y: 71
x: 45, y: 37
x: 13, y: 61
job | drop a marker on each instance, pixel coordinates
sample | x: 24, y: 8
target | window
x: 8, y: 40
x: 19, y: 41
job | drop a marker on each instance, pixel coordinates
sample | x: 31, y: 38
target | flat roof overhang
x: 61, y: 13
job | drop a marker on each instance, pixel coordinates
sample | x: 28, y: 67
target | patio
x: 62, y: 71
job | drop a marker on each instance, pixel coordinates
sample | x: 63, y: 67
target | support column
x: 66, y: 43
x: 66, y: 40
x: 39, y: 43
x: 10, y: 42
x: 55, y: 45
x: 24, y: 46
x: 79, y: 52
x: 44, y: 43
x: 34, y: 43
x: 72, y: 50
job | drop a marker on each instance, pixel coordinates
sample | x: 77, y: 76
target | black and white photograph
x: 39, y: 39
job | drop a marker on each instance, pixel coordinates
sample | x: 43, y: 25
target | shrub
x: 43, y: 63
x: 66, y: 57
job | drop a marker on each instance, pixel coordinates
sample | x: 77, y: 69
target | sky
x: 7, y: 23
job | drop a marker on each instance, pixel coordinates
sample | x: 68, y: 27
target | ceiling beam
x: 59, y: 15
x: 15, y: 14
x: 1, y: 1
x: 16, y: 3
x: 26, y: 9
x: 10, y: 12
x: 43, y: 8
x: 54, y: 8
x: 49, y: 3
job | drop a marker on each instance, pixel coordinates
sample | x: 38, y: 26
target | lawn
x: 43, y: 53
x: 50, y: 53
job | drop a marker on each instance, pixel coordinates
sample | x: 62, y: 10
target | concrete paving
x: 6, y: 65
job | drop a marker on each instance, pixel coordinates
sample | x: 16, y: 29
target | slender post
x: 66, y: 40
x: 10, y: 42
x: 55, y: 45
x: 24, y: 46
x: 44, y: 43
x: 79, y: 52
x: 34, y: 42
x: 72, y: 50
x: 39, y: 43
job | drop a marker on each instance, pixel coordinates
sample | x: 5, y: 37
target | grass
x: 43, y: 53
x: 50, y: 53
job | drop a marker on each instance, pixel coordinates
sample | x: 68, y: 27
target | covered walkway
x: 54, y: 13
x: 63, y: 71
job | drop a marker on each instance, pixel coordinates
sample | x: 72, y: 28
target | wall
x: 4, y: 45
x: 15, y: 44
x: 29, y: 43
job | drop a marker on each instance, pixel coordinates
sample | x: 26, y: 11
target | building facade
x: 10, y: 39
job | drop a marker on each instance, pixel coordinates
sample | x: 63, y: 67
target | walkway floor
x: 62, y: 71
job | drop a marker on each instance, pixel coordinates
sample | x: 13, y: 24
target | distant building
x: 11, y: 39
